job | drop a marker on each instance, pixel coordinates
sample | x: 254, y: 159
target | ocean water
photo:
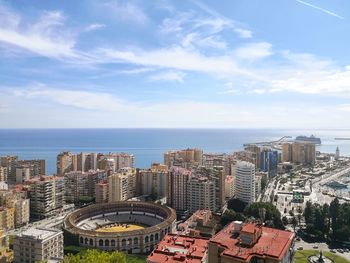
x: 148, y: 145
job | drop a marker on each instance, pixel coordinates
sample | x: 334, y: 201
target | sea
x: 148, y: 145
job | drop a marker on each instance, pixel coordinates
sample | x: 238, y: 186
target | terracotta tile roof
x: 177, y: 248
x: 273, y: 243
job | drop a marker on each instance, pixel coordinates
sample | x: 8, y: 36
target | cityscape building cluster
x: 194, y: 184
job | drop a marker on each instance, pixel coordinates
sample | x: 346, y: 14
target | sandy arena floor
x: 120, y: 228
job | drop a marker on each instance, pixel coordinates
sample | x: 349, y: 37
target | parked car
x: 340, y: 250
x: 300, y: 248
x: 315, y: 247
x: 333, y: 251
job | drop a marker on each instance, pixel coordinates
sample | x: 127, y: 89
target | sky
x: 175, y: 64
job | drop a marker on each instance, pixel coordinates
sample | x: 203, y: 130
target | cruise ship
x: 311, y: 139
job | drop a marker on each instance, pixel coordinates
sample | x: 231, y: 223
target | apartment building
x: 201, y: 194
x: 239, y: 242
x: 178, y: 189
x: 122, y: 185
x: 38, y: 245
x: 187, y: 158
x: 47, y: 196
x: 81, y: 185
x: 18, y: 202
x: 245, y: 181
x: 113, y: 162
x: 101, y: 192
x: 7, y: 220
x: 153, y: 181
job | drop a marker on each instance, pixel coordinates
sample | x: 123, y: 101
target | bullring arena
x: 133, y: 227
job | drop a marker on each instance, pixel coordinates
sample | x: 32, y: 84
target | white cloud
x: 75, y: 98
x: 254, y: 51
x: 243, y: 33
x: 47, y: 37
x: 229, y: 89
x: 125, y: 11
x: 221, y: 21
x: 175, y: 58
x: 171, y: 75
x: 89, y: 106
x: 94, y: 27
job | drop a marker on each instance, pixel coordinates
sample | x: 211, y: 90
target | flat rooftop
x: 273, y: 243
x: 39, y: 233
x: 177, y: 248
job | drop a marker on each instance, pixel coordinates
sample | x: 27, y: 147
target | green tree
x: 285, y: 220
x: 334, y: 213
x: 325, y: 214
x: 230, y: 216
x: 236, y: 205
x: 294, y: 222
x: 309, y: 213
x: 272, y: 215
x: 94, y: 255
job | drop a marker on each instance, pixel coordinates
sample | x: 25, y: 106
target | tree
x: 263, y: 182
x: 230, y: 216
x: 236, y: 205
x: 308, y: 213
x: 294, y: 222
x: 94, y: 255
x: 271, y: 213
x: 325, y: 214
x: 285, y: 220
x: 334, y: 212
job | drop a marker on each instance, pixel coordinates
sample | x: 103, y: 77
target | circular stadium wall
x: 129, y: 226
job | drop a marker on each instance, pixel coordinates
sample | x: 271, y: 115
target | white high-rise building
x: 245, y: 181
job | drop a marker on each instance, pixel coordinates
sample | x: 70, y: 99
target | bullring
x: 94, y: 226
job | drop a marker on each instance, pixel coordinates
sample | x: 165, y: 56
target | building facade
x: 38, y: 245
x: 187, y: 158
x: 245, y: 181
x: 122, y: 185
x: 250, y: 242
x: 178, y: 189
x: 47, y: 196
x: 82, y: 185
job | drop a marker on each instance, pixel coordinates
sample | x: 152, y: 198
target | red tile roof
x: 273, y: 243
x: 177, y: 248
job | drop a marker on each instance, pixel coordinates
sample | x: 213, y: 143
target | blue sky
x: 163, y: 63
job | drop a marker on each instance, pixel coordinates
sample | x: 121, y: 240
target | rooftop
x: 273, y: 243
x: 177, y: 248
x: 39, y: 233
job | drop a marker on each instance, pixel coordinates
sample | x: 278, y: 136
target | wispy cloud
x: 75, y: 98
x: 240, y: 30
x: 172, y: 76
x: 126, y: 11
x: 175, y: 58
x: 320, y: 9
x: 184, y: 113
x: 94, y: 27
x: 253, y: 51
x: 47, y: 37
